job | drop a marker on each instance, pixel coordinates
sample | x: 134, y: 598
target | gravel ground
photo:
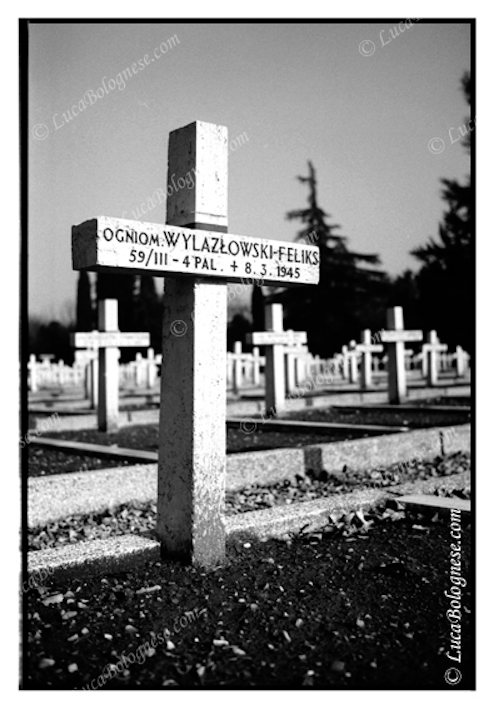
x: 444, y: 401
x: 421, y: 418
x: 360, y: 605
x: 45, y: 461
x: 128, y: 519
x: 42, y: 461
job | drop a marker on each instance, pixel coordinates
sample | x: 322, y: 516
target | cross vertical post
x: 396, y: 358
x: 33, y: 380
x: 256, y: 366
x: 301, y: 366
x: 430, y: 353
x: 275, y: 340
x: 192, y: 432
x: 423, y: 363
x: 394, y: 338
x: 150, y: 369
x: 367, y: 348
x: 353, y: 356
x: 104, y: 367
x: 237, y: 367
x: 91, y: 381
x: 290, y: 368
x: 460, y: 361
x: 275, y: 361
x: 345, y: 362
x: 108, y: 368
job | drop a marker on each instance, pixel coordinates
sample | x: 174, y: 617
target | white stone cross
x: 394, y: 338
x: 107, y: 340
x: 275, y: 339
x: 345, y: 362
x: 33, y: 373
x: 460, y: 361
x: 295, y: 358
x: 430, y: 351
x: 91, y: 381
x: 46, y: 359
x: 301, y: 363
x: 353, y: 355
x: 198, y: 259
x: 256, y: 366
x: 150, y: 369
x: 367, y: 348
x: 238, y: 367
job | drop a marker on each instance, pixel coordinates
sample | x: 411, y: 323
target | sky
x: 377, y: 110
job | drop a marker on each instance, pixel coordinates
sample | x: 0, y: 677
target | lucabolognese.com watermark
x: 41, y: 130
x: 176, y: 184
x: 145, y: 650
x: 453, y: 675
x: 179, y: 328
x: 37, y: 578
x: 249, y: 425
x: 51, y: 422
x: 158, y: 197
x: 367, y: 47
x: 437, y: 145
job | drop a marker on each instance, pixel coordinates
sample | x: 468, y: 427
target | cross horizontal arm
x: 369, y: 348
x: 93, y: 340
x: 401, y: 335
x: 434, y: 347
x: 122, y: 245
x: 288, y: 337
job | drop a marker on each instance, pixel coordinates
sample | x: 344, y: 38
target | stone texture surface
x: 443, y: 504
x: 381, y: 450
x: 113, y: 452
x: 275, y: 361
x: 58, y: 496
x: 198, y: 154
x: 427, y: 487
x: 121, y: 553
x: 304, y: 516
x: 192, y: 433
x: 102, y: 556
x: 313, y: 515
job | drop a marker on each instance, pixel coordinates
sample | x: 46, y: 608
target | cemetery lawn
x: 360, y: 605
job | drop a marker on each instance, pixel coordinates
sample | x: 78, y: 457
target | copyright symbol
x: 248, y: 426
x: 436, y: 145
x: 40, y: 131
x: 452, y: 676
x: 178, y: 328
x: 367, y: 48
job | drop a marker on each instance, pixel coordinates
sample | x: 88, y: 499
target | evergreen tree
x: 148, y: 311
x: 405, y: 292
x: 350, y: 295
x: 122, y: 288
x: 237, y: 330
x: 84, y: 315
x: 446, y: 278
x: 257, y: 307
x: 54, y: 338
